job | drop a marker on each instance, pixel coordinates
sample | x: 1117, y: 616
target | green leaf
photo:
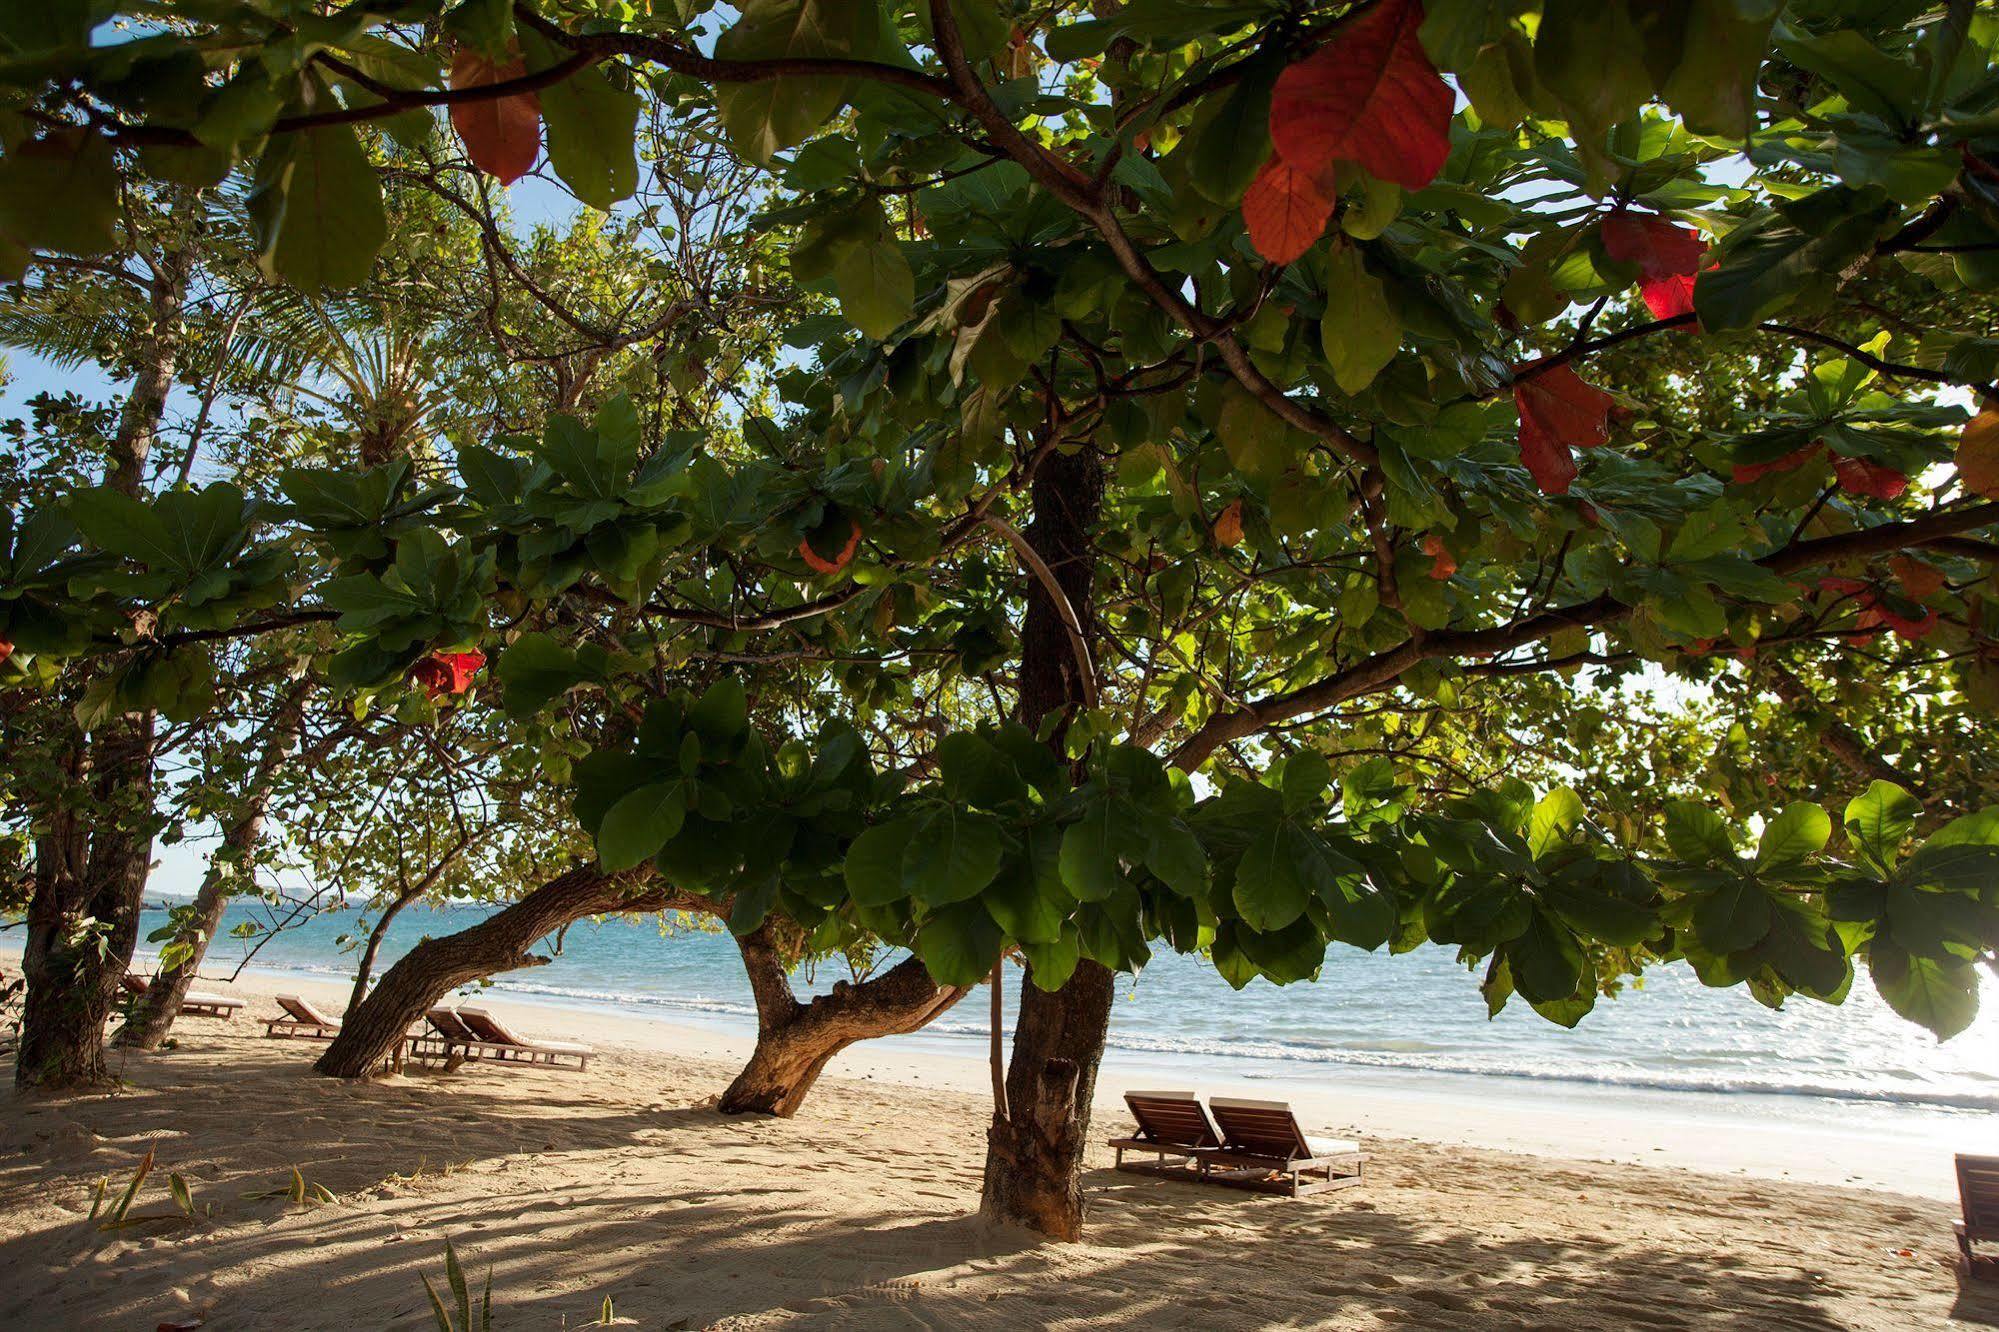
x: 1546, y: 961
x: 765, y: 117
x: 535, y: 670
x: 1175, y: 857
x: 1089, y: 856
x: 959, y: 944
x: 1231, y: 134
x: 1795, y: 835
x: 1360, y: 332
x: 317, y: 205
x: 60, y: 193
x: 1796, y: 253
x: 1553, y: 816
x: 952, y: 857
x: 722, y: 713
x: 591, y: 125
x: 877, y: 289
x: 1879, y: 820
x: 873, y: 869
x: 1050, y: 965
x: 640, y: 824
x: 1698, y: 834
x: 1942, y: 996
x: 1270, y: 889
x: 1733, y: 917
x: 1023, y: 906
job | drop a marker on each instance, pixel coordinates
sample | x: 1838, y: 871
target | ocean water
x: 1420, y: 1013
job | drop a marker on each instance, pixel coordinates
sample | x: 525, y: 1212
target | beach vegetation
x: 1087, y: 479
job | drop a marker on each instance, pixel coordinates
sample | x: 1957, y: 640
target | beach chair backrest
x: 1265, y: 1128
x: 1176, y: 1117
x: 1978, y: 1190
x: 303, y: 1010
x: 449, y: 1024
x: 488, y: 1028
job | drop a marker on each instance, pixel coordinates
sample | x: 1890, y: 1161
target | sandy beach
x: 859, y: 1213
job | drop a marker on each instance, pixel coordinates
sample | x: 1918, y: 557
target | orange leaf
x: 838, y: 562
x: 502, y: 134
x: 444, y: 673
x: 1442, y: 563
x: 1285, y: 209
x: 1558, y: 412
x: 1370, y: 96
x: 1227, y: 530
x: 1978, y: 452
x: 1918, y: 577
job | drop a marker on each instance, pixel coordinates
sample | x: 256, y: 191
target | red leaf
x: 1843, y: 587
x: 502, y: 134
x: 1857, y: 476
x: 1442, y: 563
x: 6, y: 650
x: 1668, y: 297
x: 1286, y: 210
x: 1667, y: 257
x: 444, y: 673
x: 1558, y: 412
x: 1660, y: 249
x: 1746, y: 472
x: 1903, y: 626
x: 1369, y: 96
x: 838, y: 562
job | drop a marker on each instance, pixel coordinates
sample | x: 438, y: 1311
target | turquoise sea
x: 1419, y: 1015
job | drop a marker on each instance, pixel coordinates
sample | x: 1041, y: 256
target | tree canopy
x: 1356, y: 392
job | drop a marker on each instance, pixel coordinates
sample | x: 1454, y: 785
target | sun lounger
x: 1265, y: 1148
x: 1171, y: 1124
x: 194, y: 1002
x: 303, y: 1020
x: 505, y: 1045
x: 1978, y: 1191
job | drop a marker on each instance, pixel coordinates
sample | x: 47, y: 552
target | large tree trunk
x: 153, y: 1015
x: 795, y: 1041
x: 499, y: 943
x: 91, y: 864
x: 1034, y: 1152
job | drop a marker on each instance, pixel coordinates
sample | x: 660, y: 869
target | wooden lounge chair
x: 1171, y: 1124
x: 1265, y: 1148
x: 1978, y: 1191
x: 301, y: 1019
x: 193, y: 1002
x: 448, y: 1035
x: 502, y: 1044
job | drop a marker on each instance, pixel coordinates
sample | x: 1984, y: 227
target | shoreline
x: 1875, y: 1145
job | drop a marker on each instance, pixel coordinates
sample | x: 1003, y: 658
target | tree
x: 1203, y: 379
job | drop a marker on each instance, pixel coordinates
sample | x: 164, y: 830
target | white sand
x: 859, y: 1212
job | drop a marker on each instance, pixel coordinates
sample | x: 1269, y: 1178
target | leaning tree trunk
x: 1034, y: 1151
x: 795, y: 1041
x: 153, y: 1015
x: 499, y: 943
x: 91, y: 865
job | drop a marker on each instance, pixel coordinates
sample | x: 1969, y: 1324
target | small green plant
x: 608, y: 1316
x: 298, y: 1189
x: 454, y: 1278
x: 120, y: 1214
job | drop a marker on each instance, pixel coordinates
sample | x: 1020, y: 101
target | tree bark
x: 154, y: 1014
x: 1034, y: 1151
x: 499, y: 943
x: 91, y: 865
x: 796, y: 1041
